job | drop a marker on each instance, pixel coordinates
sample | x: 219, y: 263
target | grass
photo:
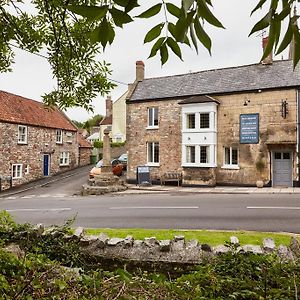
x: 212, y: 238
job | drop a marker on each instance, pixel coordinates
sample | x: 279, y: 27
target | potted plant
x: 260, y: 166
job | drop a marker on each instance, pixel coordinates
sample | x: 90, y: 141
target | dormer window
x: 22, y: 134
x: 59, y: 137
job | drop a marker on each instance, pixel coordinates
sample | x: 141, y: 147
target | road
x: 58, y: 201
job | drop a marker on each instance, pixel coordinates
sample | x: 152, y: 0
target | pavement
x: 135, y: 189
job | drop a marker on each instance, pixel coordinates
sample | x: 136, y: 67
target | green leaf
x: 202, y: 35
x: 181, y: 28
x: 89, y: 12
x: 103, y: 34
x: 205, y: 13
x: 259, y: 5
x: 262, y: 23
x: 120, y: 17
x: 285, y: 12
x: 174, y: 46
x: 269, y: 46
x: 296, y: 57
x: 286, y: 39
x: 124, y: 275
x: 173, y: 9
x: 122, y: 3
x: 156, y: 46
x: 164, y: 54
x: 131, y: 5
x: 154, y: 10
x: 193, y: 37
x: 153, y: 33
x: 171, y: 28
x: 187, y: 4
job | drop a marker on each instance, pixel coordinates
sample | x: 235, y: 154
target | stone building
x: 230, y: 126
x: 35, y: 141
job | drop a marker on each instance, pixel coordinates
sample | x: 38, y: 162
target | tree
x: 73, y: 32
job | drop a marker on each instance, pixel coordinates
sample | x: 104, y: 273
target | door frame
x: 291, y: 160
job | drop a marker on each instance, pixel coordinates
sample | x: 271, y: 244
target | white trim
x: 64, y: 158
x: 153, y: 154
x: 150, y: 164
x: 151, y: 110
x: 152, y: 127
x: 230, y: 167
x: 18, y: 172
x: 59, y: 133
x: 21, y: 141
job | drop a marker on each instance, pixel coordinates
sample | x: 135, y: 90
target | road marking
x: 275, y: 207
x: 154, y: 207
x: 28, y: 197
x: 39, y: 209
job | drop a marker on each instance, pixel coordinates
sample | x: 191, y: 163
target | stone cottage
x: 35, y: 141
x: 229, y: 126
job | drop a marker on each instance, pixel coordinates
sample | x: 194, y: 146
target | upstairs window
x: 22, y: 134
x: 16, y: 171
x: 204, y: 120
x: 191, y: 121
x: 59, y: 136
x: 153, y: 152
x: 153, y: 117
x: 230, y: 157
x: 64, y: 159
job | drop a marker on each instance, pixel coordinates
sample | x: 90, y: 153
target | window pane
x: 155, y: 110
x: 203, y: 154
x: 286, y: 155
x: 204, y: 120
x: 150, y: 117
x: 234, y: 156
x: 191, y: 121
x: 227, y: 156
x: 156, y: 152
x: 277, y: 155
x: 190, y: 154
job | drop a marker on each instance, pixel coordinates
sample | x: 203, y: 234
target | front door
x: 282, y: 168
x: 46, y: 164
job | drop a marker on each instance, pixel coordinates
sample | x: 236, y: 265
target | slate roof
x: 280, y: 74
x: 20, y: 110
x: 199, y: 99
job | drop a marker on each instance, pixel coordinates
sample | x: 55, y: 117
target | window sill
x: 65, y: 165
x: 230, y: 167
x: 152, y: 127
x: 198, y: 165
x: 22, y: 143
x: 59, y: 143
x: 152, y: 164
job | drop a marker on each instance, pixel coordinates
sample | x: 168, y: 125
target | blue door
x: 46, y: 165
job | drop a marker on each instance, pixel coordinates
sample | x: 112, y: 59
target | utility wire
x: 43, y: 56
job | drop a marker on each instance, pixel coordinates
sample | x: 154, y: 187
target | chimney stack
x: 109, y: 106
x: 140, y: 71
x: 292, y: 44
x: 269, y: 59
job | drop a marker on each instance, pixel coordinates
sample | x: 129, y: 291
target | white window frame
x: 64, y: 158
x: 151, y: 160
x: 188, y: 155
x: 22, y: 136
x: 209, y: 120
x: 187, y: 121
x: 230, y: 165
x: 59, y: 136
x: 26, y: 169
x: 151, y: 115
x: 16, y: 171
x: 207, y: 162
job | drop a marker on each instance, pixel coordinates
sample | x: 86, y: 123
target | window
x: 16, y: 171
x: 22, y: 134
x: 190, y: 121
x: 26, y: 169
x: 190, y: 154
x: 153, y: 152
x: 59, y: 137
x: 230, y: 156
x: 204, y: 120
x: 204, y: 154
x: 64, y: 159
x: 153, y: 117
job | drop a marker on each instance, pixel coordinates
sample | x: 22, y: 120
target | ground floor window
x: 230, y: 157
x: 153, y: 152
x: 204, y: 154
x: 198, y: 156
x: 190, y: 154
x: 64, y: 159
x: 16, y: 171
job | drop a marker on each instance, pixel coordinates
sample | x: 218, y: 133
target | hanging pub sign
x: 249, y: 128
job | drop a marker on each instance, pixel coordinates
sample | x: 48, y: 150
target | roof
x: 106, y: 121
x: 280, y: 74
x: 20, y: 110
x: 94, y: 136
x: 199, y: 99
x: 83, y: 143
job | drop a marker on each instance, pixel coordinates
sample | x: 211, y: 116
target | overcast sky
x: 31, y: 76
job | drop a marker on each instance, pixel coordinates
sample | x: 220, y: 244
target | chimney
x: 109, y: 106
x: 292, y: 44
x: 140, y: 71
x: 269, y: 59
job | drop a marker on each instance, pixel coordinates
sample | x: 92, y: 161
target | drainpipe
x: 298, y: 135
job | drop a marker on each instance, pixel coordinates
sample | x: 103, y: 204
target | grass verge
x: 203, y: 236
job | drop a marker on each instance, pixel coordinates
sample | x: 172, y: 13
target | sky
x: 31, y: 76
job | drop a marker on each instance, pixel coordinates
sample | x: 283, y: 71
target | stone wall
x: 40, y: 141
x: 84, y: 156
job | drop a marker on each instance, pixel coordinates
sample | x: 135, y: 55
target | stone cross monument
x: 106, y: 167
